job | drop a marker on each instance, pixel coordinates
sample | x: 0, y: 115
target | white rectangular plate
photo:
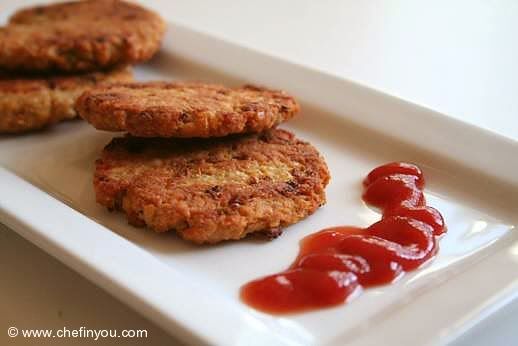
x: 192, y: 291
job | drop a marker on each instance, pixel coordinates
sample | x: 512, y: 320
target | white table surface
x: 458, y: 57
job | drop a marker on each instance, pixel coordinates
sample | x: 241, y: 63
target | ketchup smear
x: 336, y: 262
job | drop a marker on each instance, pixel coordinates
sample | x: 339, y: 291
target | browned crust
x: 32, y: 102
x: 210, y: 190
x: 79, y: 36
x: 164, y: 109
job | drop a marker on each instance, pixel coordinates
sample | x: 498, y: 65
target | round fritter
x: 79, y: 36
x: 164, y: 109
x: 210, y: 190
x: 32, y: 102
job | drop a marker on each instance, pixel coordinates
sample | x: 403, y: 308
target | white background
x: 458, y: 57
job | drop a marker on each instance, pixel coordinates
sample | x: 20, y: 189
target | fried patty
x: 79, y: 36
x: 186, y: 109
x: 210, y: 190
x: 32, y: 102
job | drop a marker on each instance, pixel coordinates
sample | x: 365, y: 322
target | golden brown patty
x: 28, y: 103
x: 210, y: 190
x: 79, y: 36
x: 162, y: 109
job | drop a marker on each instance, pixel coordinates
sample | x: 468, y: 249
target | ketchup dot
x: 426, y: 214
x: 333, y: 261
x: 395, y: 168
x: 326, y: 239
x: 404, y: 231
x: 392, y: 190
x: 380, y: 254
x: 299, y: 290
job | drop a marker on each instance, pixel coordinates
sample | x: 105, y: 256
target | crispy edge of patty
x: 185, y: 109
x: 30, y: 102
x: 212, y: 190
x: 80, y: 36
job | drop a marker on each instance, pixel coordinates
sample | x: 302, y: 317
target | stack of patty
x: 202, y: 159
x: 51, y: 54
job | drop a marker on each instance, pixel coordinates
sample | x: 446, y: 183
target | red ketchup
x: 336, y: 262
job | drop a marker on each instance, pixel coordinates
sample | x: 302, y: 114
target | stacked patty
x: 203, y: 160
x: 50, y: 54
